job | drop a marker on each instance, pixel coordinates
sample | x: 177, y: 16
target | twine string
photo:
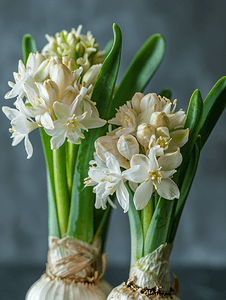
x: 77, y: 258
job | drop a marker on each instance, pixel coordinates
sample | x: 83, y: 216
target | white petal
x: 136, y: 102
x: 16, y: 90
x: 153, y: 163
x: 170, y: 161
x: 145, y: 116
x: 22, y: 125
x: 93, y: 122
x: 143, y: 194
x: 28, y: 147
x: 123, y: 196
x: 179, y: 138
x: 168, y: 189
x: 112, y: 163
x: 22, y: 108
x: 133, y: 186
x: 11, y: 113
x: 97, y: 175
x: 47, y: 121
x: 167, y: 174
x: 61, y: 110
x: 73, y: 138
x: 136, y: 174
x: 128, y: 146
x: 57, y: 141
x: 17, y: 138
x: 140, y: 159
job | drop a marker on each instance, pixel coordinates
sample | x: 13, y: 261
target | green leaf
x: 108, y: 48
x: 28, y: 46
x: 136, y: 231
x: 101, y: 220
x: 166, y: 93
x: 53, y: 222
x: 105, y: 84
x: 213, y: 107
x: 81, y: 219
x: 140, y: 71
x: 82, y: 213
x: 193, y: 122
x: 52, y: 206
x: 159, y: 227
x: 185, y: 187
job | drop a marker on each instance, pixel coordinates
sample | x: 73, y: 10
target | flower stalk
x: 146, y: 215
x: 61, y: 188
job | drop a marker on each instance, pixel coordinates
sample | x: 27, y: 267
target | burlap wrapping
x: 72, y: 260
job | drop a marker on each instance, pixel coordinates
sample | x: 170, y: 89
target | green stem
x: 156, y: 199
x: 146, y: 215
x: 102, y: 223
x: 61, y: 188
x: 71, y: 155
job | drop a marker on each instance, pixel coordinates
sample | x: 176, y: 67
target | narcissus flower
x: 36, y: 70
x: 153, y: 175
x: 107, y: 181
x: 21, y: 127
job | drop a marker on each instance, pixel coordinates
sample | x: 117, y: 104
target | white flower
x: 41, y: 105
x: 70, y: 121
x: 126, y: 117
x: 36, y: 70
x: 21, y: 127
x: 109, y: 180
x: 153, y: 174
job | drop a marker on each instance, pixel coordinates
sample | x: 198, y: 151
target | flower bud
x: 61, y: 75
x: 68, y: 95
x: 91, y: 75
x: 136, y: 102
x: 159, y: 119
x: 144, y: 133
x: 149, y: 101
x: 84, y: 62
x: 128, y: 146
x: 52, y: 91
x: 108, y: 143
x: 69, y: 62
x: 39, y: 58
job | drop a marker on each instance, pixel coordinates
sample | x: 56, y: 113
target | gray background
x: 195, y: 58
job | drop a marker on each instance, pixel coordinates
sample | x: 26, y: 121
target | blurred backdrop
x: 195, y: 58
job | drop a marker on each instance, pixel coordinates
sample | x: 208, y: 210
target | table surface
x: 195, y: 283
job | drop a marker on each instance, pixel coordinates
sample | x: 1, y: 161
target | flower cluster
x: 146, y: 145
x: 75, y: 49
x: 54, y: 92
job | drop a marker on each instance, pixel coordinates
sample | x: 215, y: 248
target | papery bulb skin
x: 50, y: 289
x: 71, y: 273
x: 122, y: 292
x: 149, y: 279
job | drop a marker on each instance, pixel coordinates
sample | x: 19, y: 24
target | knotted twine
x: 72, y: 260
